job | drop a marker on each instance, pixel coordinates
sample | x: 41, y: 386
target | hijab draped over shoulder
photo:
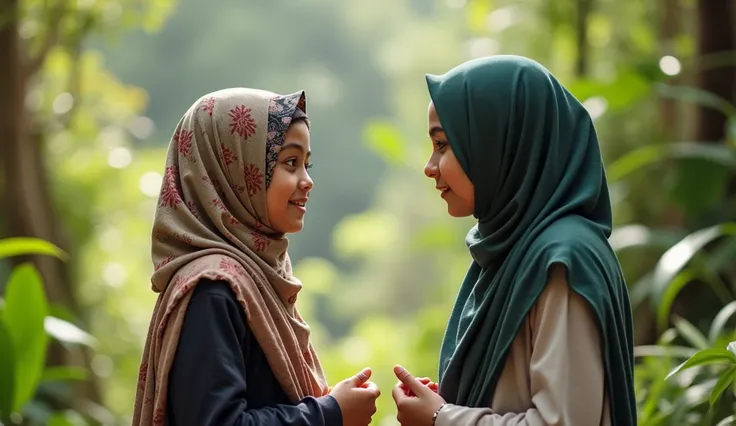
x: 541, y: 198
x: 211, y: 222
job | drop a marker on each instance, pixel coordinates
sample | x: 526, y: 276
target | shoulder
x: 570, y: 241
x: 207, y: 289
x: 215, y: 300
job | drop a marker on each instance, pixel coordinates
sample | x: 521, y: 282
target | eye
x: 440, y: 145
x: 291, y: 162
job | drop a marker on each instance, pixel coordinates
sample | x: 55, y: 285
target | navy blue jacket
x: 220, y: 375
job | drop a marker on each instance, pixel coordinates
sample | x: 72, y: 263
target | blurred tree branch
x: 55, y: 15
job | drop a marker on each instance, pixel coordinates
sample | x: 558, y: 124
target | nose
x: 306, y: 183
x: 431, y: 169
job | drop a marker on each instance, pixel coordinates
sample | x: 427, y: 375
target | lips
x: 443, y: 190
x: 300, y: 203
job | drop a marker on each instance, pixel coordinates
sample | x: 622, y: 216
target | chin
x: 458, y: 212
x: 293, y: 228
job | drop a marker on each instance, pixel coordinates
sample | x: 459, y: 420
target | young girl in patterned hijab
x: 226, y: 344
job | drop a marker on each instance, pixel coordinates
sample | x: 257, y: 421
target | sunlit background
x: 91, y: 90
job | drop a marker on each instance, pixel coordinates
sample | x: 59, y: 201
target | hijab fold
x: 211, y: 222
x: 541, y: 198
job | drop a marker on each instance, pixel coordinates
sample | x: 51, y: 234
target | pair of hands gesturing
x: 416, y: 399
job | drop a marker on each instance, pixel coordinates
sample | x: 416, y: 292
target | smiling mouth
x: 298, y: 203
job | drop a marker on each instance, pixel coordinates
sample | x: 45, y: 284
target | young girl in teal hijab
x: 541, y: 331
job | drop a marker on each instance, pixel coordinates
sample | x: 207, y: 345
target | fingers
x: 398, y: 393
x: 410, y: 381
x: 372, y: 387
x: 361, y: 377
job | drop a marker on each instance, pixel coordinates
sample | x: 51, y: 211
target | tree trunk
x: 715, y: 28
x: 26, y: 203
x: 583, y: 9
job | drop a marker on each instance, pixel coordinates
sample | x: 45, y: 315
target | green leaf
x: 637, y: 159
x: 728, y: 421
x: 67, y: 332
x: 25, y: 310
x: 663, y: 351
x: 693, y: 197
x: 673, y: 260
x: 669, y: 296
x: 716, y: 327
x: 385, y: 140
x: 723, y: 383
x: 635, y: 235
x: 25, y: 246
x: 66, y: 418
x: 704, y: 357
x: 627, y: 87
x: 697, y: 96
x: 7, y: 371
x: 690, y: 333
x: 64, y: 374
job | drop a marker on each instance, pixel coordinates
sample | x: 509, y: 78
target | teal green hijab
x: 541, y: 198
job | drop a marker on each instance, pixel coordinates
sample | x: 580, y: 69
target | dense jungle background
x: 90, y: 92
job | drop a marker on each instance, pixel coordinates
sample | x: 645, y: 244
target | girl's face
x: 287, y: 195
x: 450, y: 179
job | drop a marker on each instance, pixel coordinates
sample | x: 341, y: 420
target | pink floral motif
x: 183, y: 237
x: 184, y: 289
x: 253, y: 179
x: 214, y: 184
x: 164, y: 262
x: 161, y: 236
x: 169, y: 194
x: 241, y: 122
x: 228, y: 156
x: 183, y: 139
x: 142, y: 374
x: 221, y: 206
x: 231, y: 267
x: 260, y: 242
x: 208, y: 105
x: 159, y: 417
x: 192, y: 208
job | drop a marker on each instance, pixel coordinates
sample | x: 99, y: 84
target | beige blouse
x: 554, y: 374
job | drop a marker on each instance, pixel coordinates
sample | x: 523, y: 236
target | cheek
x: 456, y: 180
x: 279, y: 191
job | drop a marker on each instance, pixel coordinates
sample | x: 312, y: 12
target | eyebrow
x: 434, y: 130
x: 294, y: 145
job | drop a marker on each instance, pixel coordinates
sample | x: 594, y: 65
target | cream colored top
x: 554, y: 374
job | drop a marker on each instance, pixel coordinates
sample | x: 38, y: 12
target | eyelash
x: 440, y: 144
x: 292, y: 160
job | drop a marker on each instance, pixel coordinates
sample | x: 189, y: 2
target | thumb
x: 361, y: 377
x: 410, y: 381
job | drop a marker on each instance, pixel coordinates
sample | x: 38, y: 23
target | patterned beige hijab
x: 211, y: 222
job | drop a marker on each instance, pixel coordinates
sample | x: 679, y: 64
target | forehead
x: 433, y: 119
x: 297, y: 134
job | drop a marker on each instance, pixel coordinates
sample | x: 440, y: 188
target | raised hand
x: 426, y: 381
x: 416, y: 410
x: 356, y: 397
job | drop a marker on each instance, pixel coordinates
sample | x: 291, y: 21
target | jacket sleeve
x: 567, y: 378
x: 207, y: 381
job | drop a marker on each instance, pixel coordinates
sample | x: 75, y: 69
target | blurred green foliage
x: 380, y: 258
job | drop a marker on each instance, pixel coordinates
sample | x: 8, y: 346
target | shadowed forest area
x: 90, y: 93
